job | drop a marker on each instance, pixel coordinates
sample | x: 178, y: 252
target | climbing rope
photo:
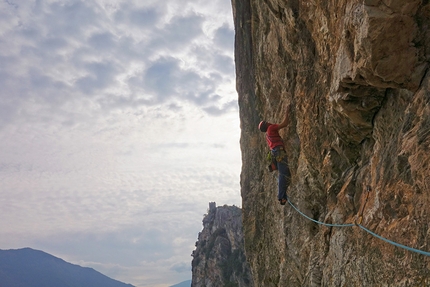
x: 394, y: 243
x: 363, y: 228
x: 319, y: 222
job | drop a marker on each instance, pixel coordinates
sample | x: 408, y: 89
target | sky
x: 118, y: 124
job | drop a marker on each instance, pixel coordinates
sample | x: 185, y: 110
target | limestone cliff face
x: 219, y: 258
x: 355, y: 73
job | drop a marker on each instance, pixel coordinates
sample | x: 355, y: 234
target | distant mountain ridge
x: 33, y: 268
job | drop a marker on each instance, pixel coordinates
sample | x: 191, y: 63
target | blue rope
x: 362, y: 227
x: 319, y: 222
x: 394, y: 243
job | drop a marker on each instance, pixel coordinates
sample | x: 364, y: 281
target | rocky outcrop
x: 219, y: 258
x: 355, y: 73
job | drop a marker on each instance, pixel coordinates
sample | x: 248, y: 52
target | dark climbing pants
x: 284, y: 175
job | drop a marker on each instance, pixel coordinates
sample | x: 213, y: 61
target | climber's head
x: 262, y: 126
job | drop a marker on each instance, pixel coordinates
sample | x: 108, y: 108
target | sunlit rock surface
x: 356, y: 76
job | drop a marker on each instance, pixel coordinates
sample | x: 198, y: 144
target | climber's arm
x: 285, y: 121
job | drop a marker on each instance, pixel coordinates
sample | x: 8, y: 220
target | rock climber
x: 278, y: 155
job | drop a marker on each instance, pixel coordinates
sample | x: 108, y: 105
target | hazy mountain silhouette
x: 32, y: 268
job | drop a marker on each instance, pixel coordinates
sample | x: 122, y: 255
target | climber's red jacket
x: 272, y: 136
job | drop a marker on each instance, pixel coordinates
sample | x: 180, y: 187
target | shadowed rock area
x: 355, y: 74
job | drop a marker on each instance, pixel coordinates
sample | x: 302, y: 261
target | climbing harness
x: 272, y: 162
x: 274, y: 156
x: 280, y: 154
x: 358, y: 223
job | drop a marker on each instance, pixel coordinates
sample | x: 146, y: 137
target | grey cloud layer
x: 53, y: 53
x: 110, y: 151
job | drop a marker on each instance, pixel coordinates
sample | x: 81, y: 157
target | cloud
x: 165, y: 79
x: 183, y: 30
x: 102, y: 41
x: 101, y: 75
x: 218, y: 111
x: 110, y: 113
x: 143, y: 17
x: 128, y: 247
x: 215, y: 61
x: 224, y: 38
x: 63, y: 51
x: 224, y: 64
x: 181, y: 267
x: 71, y: 19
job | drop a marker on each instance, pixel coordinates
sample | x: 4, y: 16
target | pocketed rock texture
x: 355, y: 73
x: 219, y: 258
